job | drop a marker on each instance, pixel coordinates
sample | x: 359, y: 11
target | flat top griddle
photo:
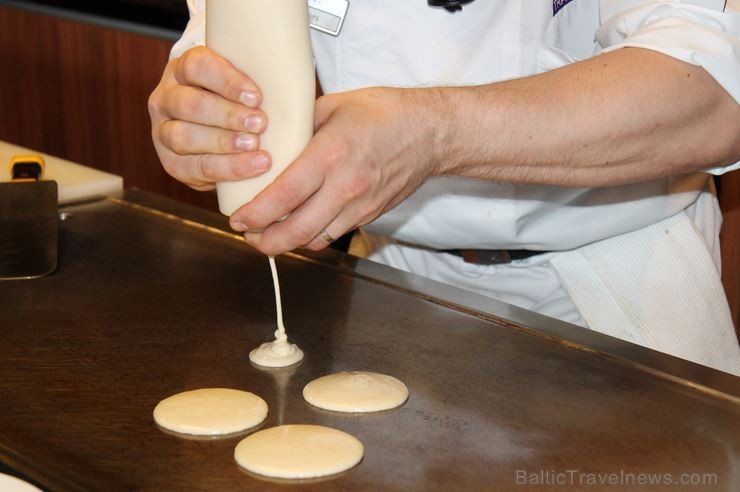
x: 152, y: 298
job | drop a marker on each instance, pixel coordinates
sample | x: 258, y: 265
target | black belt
x: 492, y: 256
x: 480, y: 256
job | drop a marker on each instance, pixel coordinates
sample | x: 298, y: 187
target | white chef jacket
x: 408, y: 44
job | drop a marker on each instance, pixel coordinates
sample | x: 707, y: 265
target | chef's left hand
x: 372, y: 149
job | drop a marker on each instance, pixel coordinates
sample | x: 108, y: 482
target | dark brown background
x: 79, y: 91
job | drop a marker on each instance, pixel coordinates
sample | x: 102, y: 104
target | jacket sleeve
x: 195, y: 32
x: 700, y: 32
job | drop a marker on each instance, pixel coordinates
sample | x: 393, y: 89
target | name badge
x: 327, y: 15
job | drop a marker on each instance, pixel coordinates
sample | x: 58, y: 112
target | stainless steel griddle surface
x: 146, y: 304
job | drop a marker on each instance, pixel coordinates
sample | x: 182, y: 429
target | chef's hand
x: 373, y: 148
x: 206, y: 121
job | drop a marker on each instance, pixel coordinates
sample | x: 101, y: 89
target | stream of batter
x: 280, y: 352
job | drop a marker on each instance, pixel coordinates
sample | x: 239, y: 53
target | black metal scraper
x: 29, y: 221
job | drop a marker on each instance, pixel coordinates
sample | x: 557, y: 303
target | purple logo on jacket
x: 559, y: 4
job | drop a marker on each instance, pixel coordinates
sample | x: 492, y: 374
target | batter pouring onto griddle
x: 553, y: 155
x: 280, y: 353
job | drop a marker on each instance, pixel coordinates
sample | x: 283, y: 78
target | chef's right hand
x: 206, y: 121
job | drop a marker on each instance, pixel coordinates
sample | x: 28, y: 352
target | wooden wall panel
x: 80, y: 92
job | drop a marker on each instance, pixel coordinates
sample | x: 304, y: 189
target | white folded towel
x: 657, y: 287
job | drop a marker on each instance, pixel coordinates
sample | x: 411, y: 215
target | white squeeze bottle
x: 269, y: 41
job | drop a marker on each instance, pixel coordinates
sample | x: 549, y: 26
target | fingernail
x: 261, y: 162
x: 253, y: 123
x: 246, y: 142
x: 249, y: 98
x: 252, y: 237
x: 239, y: 227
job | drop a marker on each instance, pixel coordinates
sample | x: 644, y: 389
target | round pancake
x: 210, y: 412
x: 356, y: 391
x: 298, y: 452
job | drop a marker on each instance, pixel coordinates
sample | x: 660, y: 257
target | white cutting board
x: 75, y: 182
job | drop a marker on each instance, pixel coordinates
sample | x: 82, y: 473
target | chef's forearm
x: 625, y: 116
